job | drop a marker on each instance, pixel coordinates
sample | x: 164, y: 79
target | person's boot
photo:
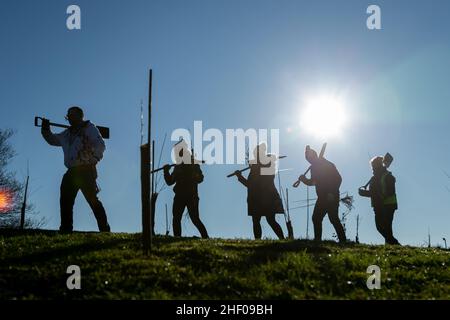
x: 393, y: 242
x: 204, y: 234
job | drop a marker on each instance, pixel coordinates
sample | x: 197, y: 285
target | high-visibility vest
x: 387, y: 200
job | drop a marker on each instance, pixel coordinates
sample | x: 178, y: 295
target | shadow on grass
x: 261, y: 251
x: 10, y: 233
x: 265, y: 251
x: 63, y: 252
x: 90, y: 242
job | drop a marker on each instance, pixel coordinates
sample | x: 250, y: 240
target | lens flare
x: 6, y: 200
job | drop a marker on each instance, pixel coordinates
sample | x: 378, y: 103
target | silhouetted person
x: 83, y: 148
x: 186, y: 176
x: 263, y: 199
x: 327, y: 180
x: 383, y: 198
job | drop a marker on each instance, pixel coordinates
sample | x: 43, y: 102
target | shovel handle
x: 297, y: 183
x: 104, y: 131
x: 247, y: 168
x: 367, y: 184
x: 322, y: 152
x: 234, y: 173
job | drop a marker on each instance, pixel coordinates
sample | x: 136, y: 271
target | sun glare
x: 323, y: 117
x: 5, y: 201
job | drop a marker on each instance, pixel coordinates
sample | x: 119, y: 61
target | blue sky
x: 235, y: 64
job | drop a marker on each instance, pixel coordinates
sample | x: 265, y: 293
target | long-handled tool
x: 248, y: 168
x: 387, y: 161
x: 193, y: 161
x: 287, y: 217
x: 322, y: 152
x: 288, y: 221
x: 104, y: 131
x: 159, y: 169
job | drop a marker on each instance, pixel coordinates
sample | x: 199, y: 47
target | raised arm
x: 51, y: 138
x: 168, y: 177
x: 241, y: 178
x: 306, y: 181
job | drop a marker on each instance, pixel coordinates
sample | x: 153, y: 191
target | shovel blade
x: 388, y: 159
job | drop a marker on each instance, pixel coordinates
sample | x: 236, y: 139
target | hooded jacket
x: 82, y: 146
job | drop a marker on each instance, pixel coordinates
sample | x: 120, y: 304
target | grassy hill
x: 33, y: 266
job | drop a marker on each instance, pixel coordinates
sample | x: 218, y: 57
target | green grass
x: 33, y: 266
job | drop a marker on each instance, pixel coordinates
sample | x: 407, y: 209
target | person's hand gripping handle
x: 299, y: 180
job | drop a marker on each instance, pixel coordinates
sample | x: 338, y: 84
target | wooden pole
x: 142, y: 122
x: 145, y: 197
x: 307, y: 212
x: 289, y: 224
x: 152, y: 192
x: 146, y: 182
x: 153, y: 166
x: 287, y: 202
x: 167, y: 222
x: 149, y: 137
x: 357, y: 229
x: 150, y: 85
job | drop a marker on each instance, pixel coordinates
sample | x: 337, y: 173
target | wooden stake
x: 150, y: 211
x: 152, y: 192
x: 145, y: 197
x: 146, y: 179
x: 307, y: 212
x: 167, y: 222
x: 357, y: 229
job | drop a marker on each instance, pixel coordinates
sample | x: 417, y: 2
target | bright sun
x: 5, y: 201
x: 323, y: 117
